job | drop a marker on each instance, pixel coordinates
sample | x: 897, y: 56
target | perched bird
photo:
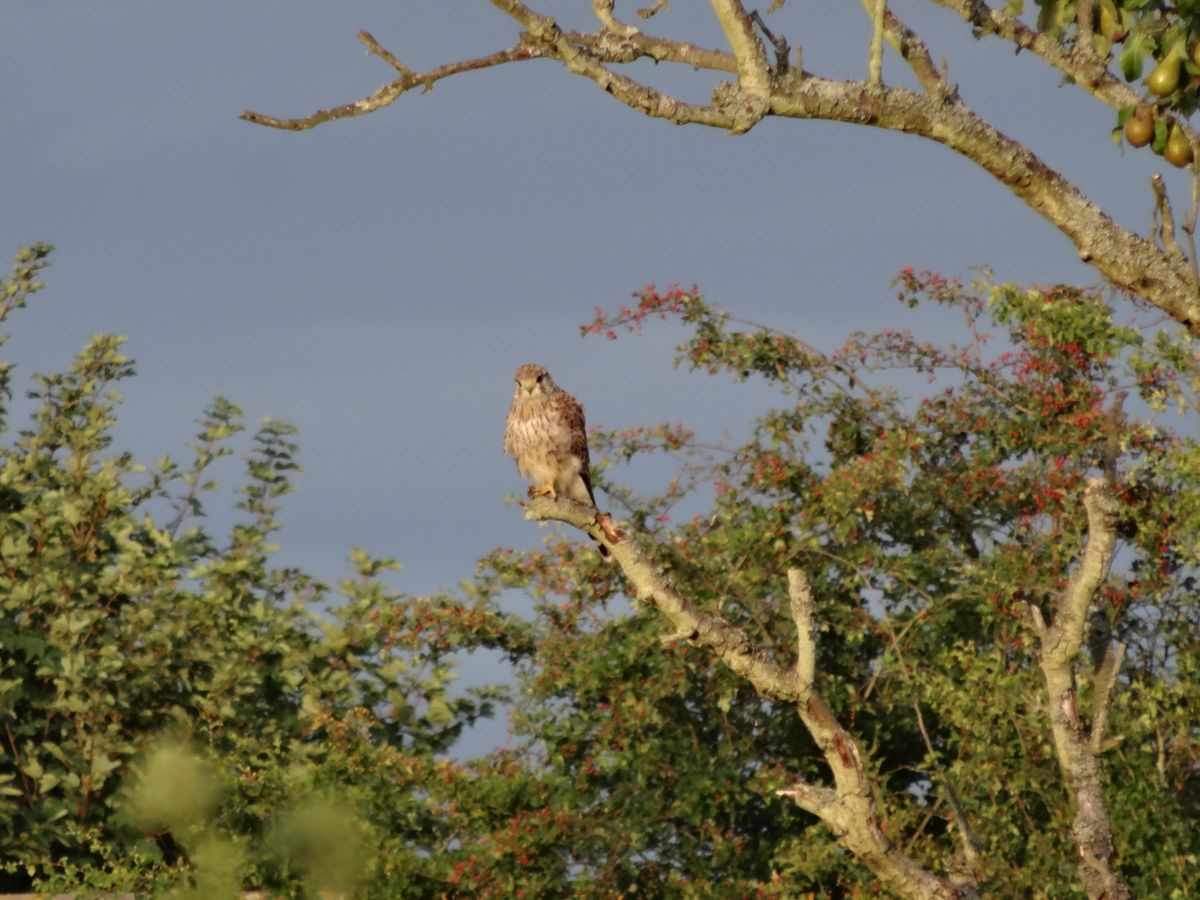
x: 547, y: 437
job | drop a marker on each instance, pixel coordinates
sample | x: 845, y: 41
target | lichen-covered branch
x: 1078, y: 754
x: 393, y: 90
x: 877, y: 10
x: 606, y: 47
x: 604, y: 12
x: 1162, y: 222
x: 913, y: 51
x: 1084, y: 67
x: 754, y: 75
x: 1125, y: 258
x: 849, y: 808
x: 1083, y: 27
x: 649, y: 585
x: 544, y: 33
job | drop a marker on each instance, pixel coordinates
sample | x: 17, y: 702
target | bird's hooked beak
x: 527, y: 384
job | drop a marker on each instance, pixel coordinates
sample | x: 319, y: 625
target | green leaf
x: 1137, y: 46
x: 1161, y: 133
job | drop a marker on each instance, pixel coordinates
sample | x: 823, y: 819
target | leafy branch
x: 849, y: 808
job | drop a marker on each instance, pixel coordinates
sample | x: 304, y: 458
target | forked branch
x: 1078, y: 747
x: 1085, y: 68
x: 848, y: 808
x: 1138, y: 264
x: 754, y: 75
x: 393, y: 90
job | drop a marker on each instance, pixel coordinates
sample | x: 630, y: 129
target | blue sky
x: 376, y: 281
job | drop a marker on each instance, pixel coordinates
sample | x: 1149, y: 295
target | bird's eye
x: 540, y: 377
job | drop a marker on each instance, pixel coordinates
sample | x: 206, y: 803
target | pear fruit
x: 1139, y: 128
x: 1178, y: 151
x: 1164, y: 78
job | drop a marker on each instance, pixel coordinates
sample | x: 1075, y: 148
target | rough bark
x: 1153, y: 267
x: 1077, y: 744
x: 848, y: 808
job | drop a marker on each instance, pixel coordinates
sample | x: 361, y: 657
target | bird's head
x: 532, y: 379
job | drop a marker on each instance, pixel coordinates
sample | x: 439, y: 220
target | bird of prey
x: 547, y: 437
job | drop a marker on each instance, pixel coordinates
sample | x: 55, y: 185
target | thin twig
x: 970, y: 843
x: 913, y: 51
x: 1083, y: 27
x: 601, y: 47
x: 647, y: 11
x: 377, y: 49
x: 1102, y: 692
x: 875, y: 59
x: 1162, y: 217
x: 815, y: 353
x: 1189, y: 227
x: 392, y: 91
x: 782, y: 50
x: 604, y: 12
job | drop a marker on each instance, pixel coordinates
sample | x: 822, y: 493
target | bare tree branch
x: 1189, y: 227
x: 914, y: 52
x: 1085, y: 68
x: 970, y: 844
x: 1105, y: 684
x: 1125, y: 258
x: 659, y: 49
x: 877, y: 10
x: 804, y: 613
x: 849, y: 809
x: 1162, y: 221
x: 375, y: 48
x: 391, y: 92
x: 604, y: 12
x: 545, y: 33
x: 1060, y: 642
x: 782, y: 50
x: 754, y: 75
x: 1083, y: 27
x: 605, y: 47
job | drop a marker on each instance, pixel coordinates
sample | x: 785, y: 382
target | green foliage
x: 927, y: 525
x: 180, y: 716
x: 1158, y: 40
x: 176, y: 713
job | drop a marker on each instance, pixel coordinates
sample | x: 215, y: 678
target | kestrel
x: 547, y: 437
